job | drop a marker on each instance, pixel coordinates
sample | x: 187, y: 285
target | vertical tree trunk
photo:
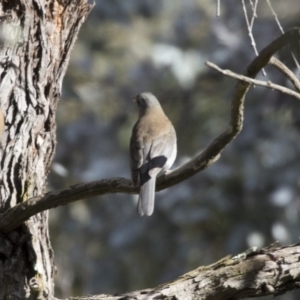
x: 36, y: 37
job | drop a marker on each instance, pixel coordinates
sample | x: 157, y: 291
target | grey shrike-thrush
x: 153, y: 149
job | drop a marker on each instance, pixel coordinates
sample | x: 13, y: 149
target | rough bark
x: 36, y: 39
x: 270, y: 271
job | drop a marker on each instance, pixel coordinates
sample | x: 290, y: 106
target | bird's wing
x: 136, y: 158
x: 161, y: 150
x: 139, y: 156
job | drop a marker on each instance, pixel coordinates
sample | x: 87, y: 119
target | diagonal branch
x: 286, y: 71
x: 270, y: 271
x: 16, y: 215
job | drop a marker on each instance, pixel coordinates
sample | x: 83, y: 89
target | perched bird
x: 153, y: 149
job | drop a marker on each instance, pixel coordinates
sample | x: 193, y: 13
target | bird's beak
x: 133, y: 99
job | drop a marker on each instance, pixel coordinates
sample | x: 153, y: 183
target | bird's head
x: 146, y: 101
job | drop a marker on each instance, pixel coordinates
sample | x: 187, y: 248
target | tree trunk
x: 36, y: 39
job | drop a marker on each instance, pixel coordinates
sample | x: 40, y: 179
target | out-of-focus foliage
x: 249, y: 197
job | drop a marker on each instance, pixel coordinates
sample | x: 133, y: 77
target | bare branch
x: 267, y: 84
x: 250, y: 26
x: 15, y: 216
x: 270, y: 271
x: 254, y: 14
x: 218, y: 8
x: 282, y: 31
x: 286, y: 71
x: 275, y: 16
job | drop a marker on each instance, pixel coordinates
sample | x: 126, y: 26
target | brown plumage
x: 153, y: 149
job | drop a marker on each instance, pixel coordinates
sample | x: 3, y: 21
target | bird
x: 153, y: 149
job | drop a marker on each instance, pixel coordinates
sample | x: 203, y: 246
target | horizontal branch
x: 16, y: 215
x: 269, y: 271
x: 267, y: 84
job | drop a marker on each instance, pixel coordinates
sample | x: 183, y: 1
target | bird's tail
x: 146, y: 197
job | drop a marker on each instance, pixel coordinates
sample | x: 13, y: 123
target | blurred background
x: 250, y: 197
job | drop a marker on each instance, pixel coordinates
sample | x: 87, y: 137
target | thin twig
x: 267, y: 84
x: 254, y: 14
x: 249, y: 26
x: 282, y: 31
x: 251, y: 4
x: 286, y: 71
x: 218, y: 8
x: 275, y: 16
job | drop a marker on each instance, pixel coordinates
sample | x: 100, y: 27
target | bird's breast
x: 153, y: 126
